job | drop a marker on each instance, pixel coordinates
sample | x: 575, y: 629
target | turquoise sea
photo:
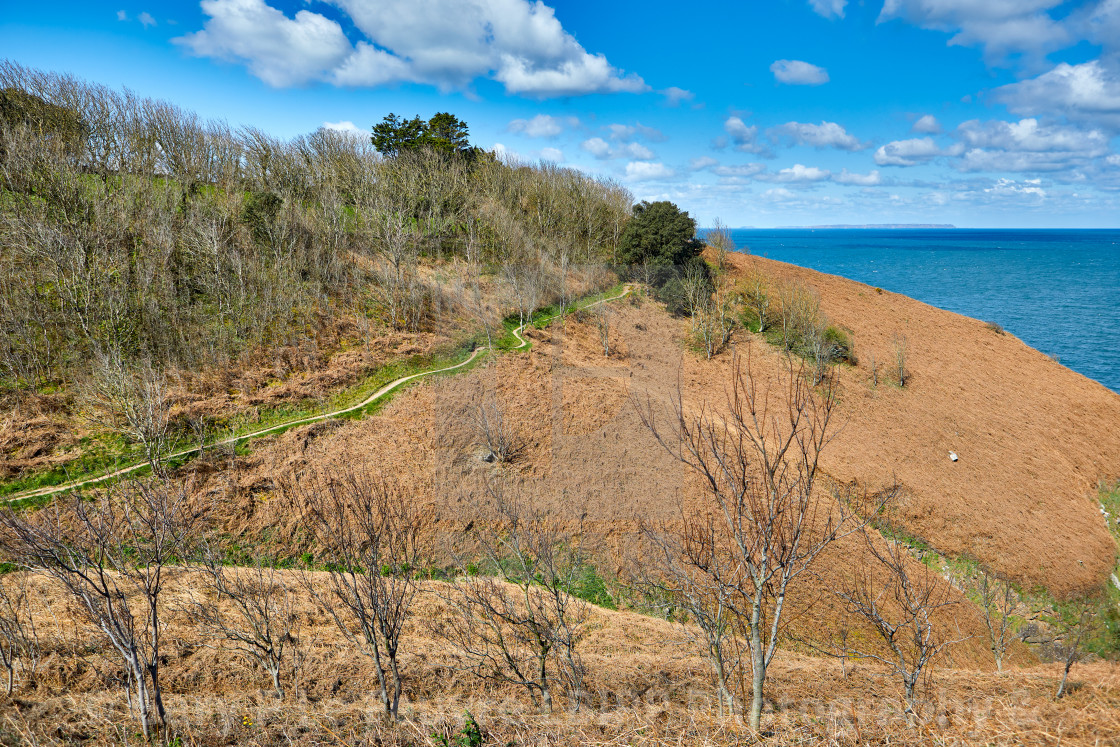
x: 1057, y: 290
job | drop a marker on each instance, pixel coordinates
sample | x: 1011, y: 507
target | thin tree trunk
x: 1065, y: 676
x: 381, y: 678
x: 546, y: 700
x: 275, y: 672
x: 396, y: 686
x: 911, y: 711
x: 157, y: 696
x: 723, y: 695
x: 758, y: 677
x: 546, y: 696
x: 142, y: 697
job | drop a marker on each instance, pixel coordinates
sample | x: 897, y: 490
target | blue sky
x: 786, y: 112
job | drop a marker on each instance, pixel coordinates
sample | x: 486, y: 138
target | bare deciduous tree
x: 998, y: 600
x: 899, y: 347
x: 758, y: 460
x: 1073, y: 626
x: 719, y: 238
x: 514, y: 618
x: 526, y: 283
x: 132, y: 401
x: 798, y: 312
x: 713, y: 321
x: 19, y: 637
x: 692, y: 566
x: 493, y: 427
x: 250, y: 610
x: 111, y: 555
x: 756, y: 296
x: 697, y: 288
x: 370, y: 530
x: 602, y: 316
x: 900, y: 599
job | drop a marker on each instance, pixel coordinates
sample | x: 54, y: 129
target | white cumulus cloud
x: 907, y: 152
x: 279, y: 50
x: 597, y: 147
x: 777, y: 194
x: 739, y: 171
x: 926, y: 125
x: 507, y: 155
x: 674, y: 96
x: 798, y: 173
x: 743, y: 137
x: 516, y: 42
x: 861, y: 180
x: 829, y: 8
x: 542, y: 125
x: 637, y: 151
x: 701, y: 163
x: 346, y: 126
x: 602, y: 150
x: 824, y: 135
x: 445, y: 43
x: 1088, y: 92
x: 645, y: 171
x: 1029, y: 135
x: 146, y: 19
x: 552, y: 154
x: 1029, y: 187
x: 1001, y: 27
x: 798, y: 73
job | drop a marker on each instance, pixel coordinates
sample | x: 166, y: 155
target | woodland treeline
x: 135, y: 234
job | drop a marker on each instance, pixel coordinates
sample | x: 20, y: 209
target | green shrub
x: 592, y: 587
x: 840, y: 344
x: 672, y: 294
x: 469, y: 736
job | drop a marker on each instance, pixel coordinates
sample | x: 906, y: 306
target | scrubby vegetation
x: 143, y: 247
x: 788, y: 315
x: 146, y: 255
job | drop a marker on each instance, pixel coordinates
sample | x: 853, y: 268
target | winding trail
x: 384, y: 390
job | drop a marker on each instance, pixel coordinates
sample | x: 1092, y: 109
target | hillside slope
x: 1033, y: 437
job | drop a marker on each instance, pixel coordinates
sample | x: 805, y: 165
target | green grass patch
x: 98, y: 455
x: 94, y: 455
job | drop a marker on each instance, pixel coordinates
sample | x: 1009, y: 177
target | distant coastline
x: 891, y: 226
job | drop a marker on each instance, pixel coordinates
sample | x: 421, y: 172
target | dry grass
x: 647, y: 685
x: 1033, y: 438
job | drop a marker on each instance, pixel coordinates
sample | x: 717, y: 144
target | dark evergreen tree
x: 444, y: 133
x: 662, y: 237
x: 396, y: 134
